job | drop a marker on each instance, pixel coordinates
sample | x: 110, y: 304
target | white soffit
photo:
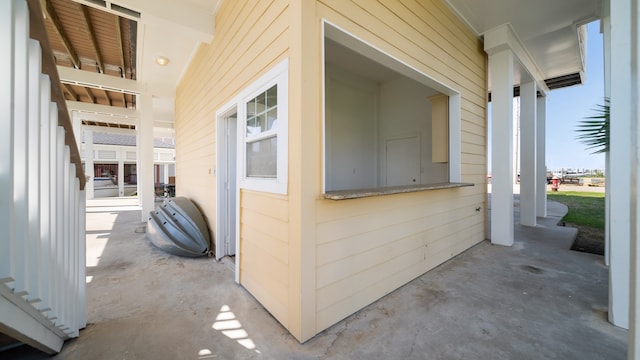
x: 97, y: 109
x: 548, y: 29
x: 98, y: 81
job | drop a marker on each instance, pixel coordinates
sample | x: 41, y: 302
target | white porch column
x: 501, y: 70
x: 516, y: 140
x: 145, y: 154
x: 624, y: 103
x: 88, y: 162
x: 528, y: 153
x: 606, y: 34
x: 619, y: 179
x: 541, y: 141
x: 165, y: 174
x: 121, y: 155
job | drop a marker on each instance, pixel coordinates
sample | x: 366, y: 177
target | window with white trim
x: 386, y: 124
x: 262, y: 123
x: 261, y: 136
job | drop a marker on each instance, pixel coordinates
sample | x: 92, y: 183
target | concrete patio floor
x: 534, y: 300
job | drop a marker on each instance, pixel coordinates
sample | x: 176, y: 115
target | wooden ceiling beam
x: 69, y: 90
x: 90, y: 95
x: 106, y: 97
x: 123, y: 69
x: 115, y: 114
x: 57, y: 25
x: 99, y: 81
x: 92, y: 35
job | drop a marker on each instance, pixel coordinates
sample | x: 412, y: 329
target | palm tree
x: 594, y: 130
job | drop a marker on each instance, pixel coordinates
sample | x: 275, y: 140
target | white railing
x: 113, y: 153
x: 42, y: 212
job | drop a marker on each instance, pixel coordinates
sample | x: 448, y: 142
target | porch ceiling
x: 549, y: 30
x: 120, y: 40
x: 91, y: 40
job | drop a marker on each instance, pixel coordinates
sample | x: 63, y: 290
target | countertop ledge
x: 362, y: 193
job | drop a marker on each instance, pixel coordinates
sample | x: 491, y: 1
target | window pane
x: 272, y: 119
x: 251, y: 108
x: 262, y: 112
x: 261, y: 158
x: 261, y: 102
x: 272, y: 96
x: 262, y: 122
x: 253, y: 127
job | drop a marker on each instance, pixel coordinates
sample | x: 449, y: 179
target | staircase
x: 42, y: 198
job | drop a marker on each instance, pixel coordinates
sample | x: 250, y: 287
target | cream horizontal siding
x: 250, y: 37
x: 473, y: 159
x: 468, y: 170
x: 346, y: 237
x: 475, y: 118
x: 264, y: 250
x: 418, y: 47
x: 368, y: 286
x: 366, y: 248
x: 467, y: 137
x: 474, y: 128
x: 264, y: 265
x: 470, y: 148
x: 448, y: 24
x: 427, y: 243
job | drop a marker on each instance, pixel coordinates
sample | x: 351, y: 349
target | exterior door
x: 226, y: 180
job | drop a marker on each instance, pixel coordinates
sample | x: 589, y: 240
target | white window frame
x: 278, y: 75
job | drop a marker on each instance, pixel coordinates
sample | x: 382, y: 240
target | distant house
x: 115, y: 163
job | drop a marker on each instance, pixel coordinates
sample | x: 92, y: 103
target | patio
x: 535, y: 300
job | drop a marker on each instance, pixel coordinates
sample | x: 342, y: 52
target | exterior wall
x: 251, y: 37
x: 310, y: 261
x: 366, y: 248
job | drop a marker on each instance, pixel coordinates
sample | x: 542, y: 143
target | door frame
x: 223, y: 124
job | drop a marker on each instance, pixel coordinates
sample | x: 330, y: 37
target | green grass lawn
x: 585, y: 208
x: 586, y: 212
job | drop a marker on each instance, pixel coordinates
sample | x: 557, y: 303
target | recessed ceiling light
x: 162, y: 60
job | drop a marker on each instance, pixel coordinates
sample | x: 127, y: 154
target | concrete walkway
x: 535, y: 300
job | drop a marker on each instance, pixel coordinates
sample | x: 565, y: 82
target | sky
x: 566, y: 107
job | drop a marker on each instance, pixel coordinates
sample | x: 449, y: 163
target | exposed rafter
x: 104, y: 34
x: 90, y: 95
x: 120, y: 47
x: 194, y: 18
x: 67, y: 88
x: 106, y: 97
x: 111, y: 127
x: 57, y: 25
x: 92, y: 35
x: 108, y: 119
